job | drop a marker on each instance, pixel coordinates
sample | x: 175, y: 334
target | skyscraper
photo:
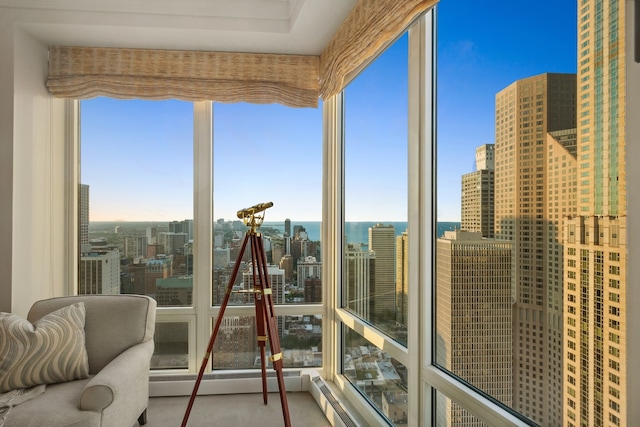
x: 310, y: 279
x: 485, y: 157
x: 382, y: 244
x: 287, y: 227
x: 135, y: 246
x: 99, y: 273
x: 84, y: 217
x: 478, y: 194
x: 474, y: 316
x: 595, y: 254
x: 526, y: 111
x: 402, y: 279
x: 360, y: 279
x: 561, y: 202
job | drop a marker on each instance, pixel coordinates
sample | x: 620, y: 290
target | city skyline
x: 114, y: 138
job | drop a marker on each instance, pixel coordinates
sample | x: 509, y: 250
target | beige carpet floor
x: 232, y: 410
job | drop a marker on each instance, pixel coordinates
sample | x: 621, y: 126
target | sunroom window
x: 152, y: 180
x: 374, y: 283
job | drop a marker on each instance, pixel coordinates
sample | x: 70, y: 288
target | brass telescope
x: 243, y: 213
x: 248, y: 215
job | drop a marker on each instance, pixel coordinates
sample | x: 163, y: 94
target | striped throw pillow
x: 50, y: 351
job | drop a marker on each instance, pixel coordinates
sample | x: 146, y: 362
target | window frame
x: 199, y: 317
x: 418, y: 355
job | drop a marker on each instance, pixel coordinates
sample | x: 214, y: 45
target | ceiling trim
x: 244, y: 9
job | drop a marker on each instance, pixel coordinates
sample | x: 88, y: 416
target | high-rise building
x: 382, y: 244
x: 99, y: 273
x: 152, y: 235
x: 312, y: 290
x: 526, y: 111
x: 286, y: 265
x: 173, y: 243
x: 474, y: 316
x: 310, y: 279
x: 561, y: 202
x: 287, y: 227
x: 478, y: 194
x: 221, y: 257
x: 84, y: 217
x: 485, y: 157
x: 185, y: 226
x: 236, y: 345
x: 595, y: 253
x: 135, y: 246
x: 156, y: 268
x: 402, y: 279
x: 277, y: 252
x: 276, y: 281
x: 308, y: 267
x: 360, y: 279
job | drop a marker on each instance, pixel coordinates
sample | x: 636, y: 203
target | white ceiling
x: 262, y: 26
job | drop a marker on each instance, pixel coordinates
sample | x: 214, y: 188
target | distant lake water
x: 357, y: 232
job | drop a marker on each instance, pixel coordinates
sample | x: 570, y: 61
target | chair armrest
x: 124, y: 375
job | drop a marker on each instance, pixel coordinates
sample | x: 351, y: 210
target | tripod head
x: 249, y: 215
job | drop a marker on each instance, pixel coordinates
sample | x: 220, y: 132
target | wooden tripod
x: 266, y: 323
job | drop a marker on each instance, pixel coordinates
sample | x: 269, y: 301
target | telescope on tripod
x: 266, y: 323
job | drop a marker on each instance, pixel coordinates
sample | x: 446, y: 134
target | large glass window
x: 136, y: 199
x: 136, y: 209
x: 141, y: 182
x: 375, y: 247
x: 506, y: 159
x: 375, y: 277
x: 269, y: 153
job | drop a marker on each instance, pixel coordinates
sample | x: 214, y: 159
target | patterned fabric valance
x: 84, y: 72
x: 293, y: 80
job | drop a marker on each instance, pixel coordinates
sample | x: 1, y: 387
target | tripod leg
x: 277, y: 362
x: 258, y: 299
x: 225, y: 300
x: 274, y: 340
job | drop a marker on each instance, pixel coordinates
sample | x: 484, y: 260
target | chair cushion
x: 113, y: 323
x: 56, y: 407
x: 50, y: 351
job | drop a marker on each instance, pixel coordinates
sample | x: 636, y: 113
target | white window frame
x: 201, y: 315
x: 417, y: 356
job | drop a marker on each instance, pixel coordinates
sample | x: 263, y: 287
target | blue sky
x: 483, y: 47
x: 137, y: 155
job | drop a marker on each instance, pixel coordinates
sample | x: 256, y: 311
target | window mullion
x: 332, y: 230
x: 421, y: 119
x: 203, y: 225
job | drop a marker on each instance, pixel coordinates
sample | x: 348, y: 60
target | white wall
x: 37, y: 253
x: 6, y: 159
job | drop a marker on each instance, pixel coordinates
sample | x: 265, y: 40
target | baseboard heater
x: 222, y: 383
x: 218, y: 375
x: 333, y: 409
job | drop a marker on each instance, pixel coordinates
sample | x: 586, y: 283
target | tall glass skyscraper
x: 526, y: 111
x: 595, y: 365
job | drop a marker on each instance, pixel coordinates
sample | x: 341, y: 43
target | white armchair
x: 119, y: 340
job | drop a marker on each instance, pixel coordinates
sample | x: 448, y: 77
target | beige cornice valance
x: 369, y: 28
x: 293, y: 80
x: 83, y: 72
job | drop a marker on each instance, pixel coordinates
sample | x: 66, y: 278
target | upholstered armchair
x: 119, y: 343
